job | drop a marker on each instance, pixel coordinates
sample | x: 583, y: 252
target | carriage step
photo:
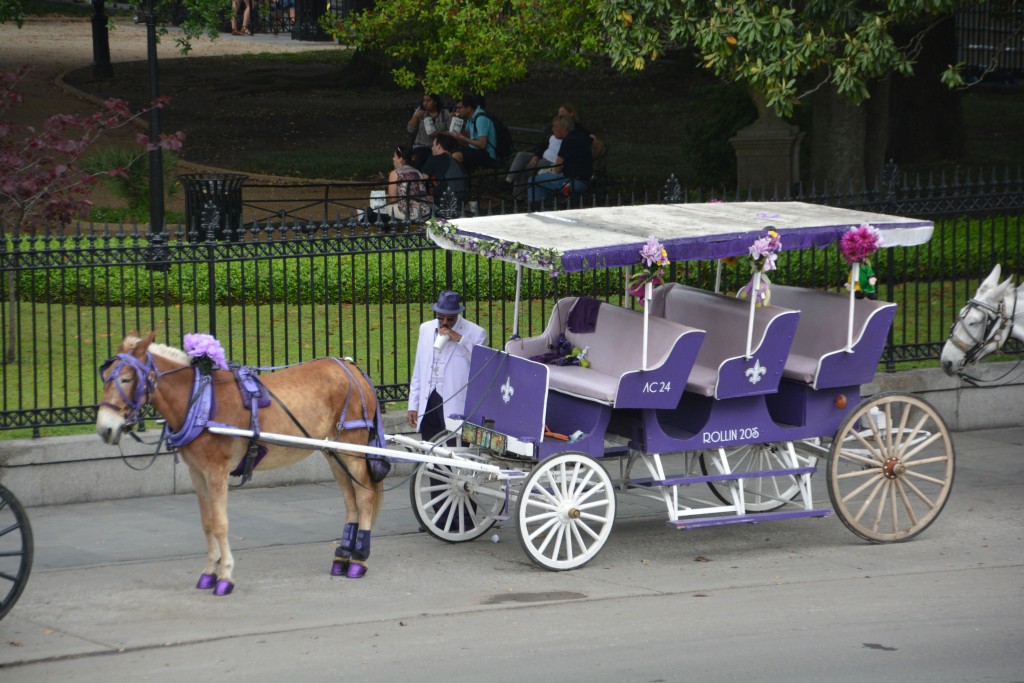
x: 744, y: 519
x: 682, y: 479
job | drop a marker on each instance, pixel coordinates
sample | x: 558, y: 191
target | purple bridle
x: 146, y: 376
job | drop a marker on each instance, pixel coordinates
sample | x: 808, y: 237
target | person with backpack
x: 479, y: 138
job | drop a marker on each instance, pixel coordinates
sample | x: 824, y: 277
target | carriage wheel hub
x: 573, y: 513
x: 893, y: 468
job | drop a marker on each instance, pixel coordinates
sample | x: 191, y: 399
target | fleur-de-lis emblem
x: 507, y: 390
x: 756, y: 373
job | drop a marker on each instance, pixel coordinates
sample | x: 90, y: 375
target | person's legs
x: 543, y: 185
x: 432, y: 423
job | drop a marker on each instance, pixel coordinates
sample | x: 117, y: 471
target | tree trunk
x: 838, y: 129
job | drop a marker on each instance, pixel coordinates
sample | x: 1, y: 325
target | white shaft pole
x: 718, y: 277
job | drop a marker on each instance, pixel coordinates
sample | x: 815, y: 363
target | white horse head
x: 984, y: 324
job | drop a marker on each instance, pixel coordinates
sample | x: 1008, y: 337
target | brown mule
x: 318, y: 394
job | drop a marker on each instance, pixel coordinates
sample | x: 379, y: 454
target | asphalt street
x: 111, y: 595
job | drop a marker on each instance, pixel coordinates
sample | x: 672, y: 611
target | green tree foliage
x: 783, y: 51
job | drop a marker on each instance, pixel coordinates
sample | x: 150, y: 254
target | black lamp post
x: 157, y: 236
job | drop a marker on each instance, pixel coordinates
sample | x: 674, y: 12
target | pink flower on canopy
x: 206, y: 346
x: 860, y: 242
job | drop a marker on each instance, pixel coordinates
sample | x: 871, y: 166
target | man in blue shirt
x: 478, y: 136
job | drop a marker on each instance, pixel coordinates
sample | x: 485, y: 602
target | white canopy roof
x: 580, y: 239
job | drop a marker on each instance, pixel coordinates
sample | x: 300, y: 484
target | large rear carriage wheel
x: 890, y: 470
x: 450, y: 503
x: 566, y: 511
x: 15, y: 550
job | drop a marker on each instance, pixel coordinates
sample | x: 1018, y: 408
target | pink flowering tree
x: 42, y: 180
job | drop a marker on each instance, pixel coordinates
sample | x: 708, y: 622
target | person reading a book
x: 429, y: 119
x: 573, y: 168
x: 475, y: 131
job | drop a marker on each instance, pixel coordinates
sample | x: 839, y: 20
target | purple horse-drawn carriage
x: 718, y: 407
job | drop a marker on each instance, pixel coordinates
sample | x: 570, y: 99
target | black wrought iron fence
x: 280, y: 292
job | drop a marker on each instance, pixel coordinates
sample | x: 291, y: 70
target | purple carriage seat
x: 722, y: 369
x: 615, y: 376
x: 819, y: 357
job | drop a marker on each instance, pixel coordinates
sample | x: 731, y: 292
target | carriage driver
x: 441, y: 370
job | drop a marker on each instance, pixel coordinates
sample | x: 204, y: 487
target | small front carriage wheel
x: 450, y: 502
x: 890, y: 469
x: 566, y: 511
x: 15, y: 550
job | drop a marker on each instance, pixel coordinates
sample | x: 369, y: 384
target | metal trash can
x: 213, y: 201
x: 307, y: 20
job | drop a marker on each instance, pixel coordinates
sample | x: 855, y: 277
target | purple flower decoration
x: 764, y: 250
x: 206, y: 352
x: 860, y: 242
x: 653, y: 253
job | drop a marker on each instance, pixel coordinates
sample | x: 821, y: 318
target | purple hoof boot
x: 224, y: 587
x: 356, y: 571
x: 206, y: 581
x: 339, y: 568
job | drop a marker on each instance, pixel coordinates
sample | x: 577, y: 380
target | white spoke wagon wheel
x: 450, y: 504
x: 891, y: 468
x: 15, y: 550
x: 762, y: 494
x: 566, y: 511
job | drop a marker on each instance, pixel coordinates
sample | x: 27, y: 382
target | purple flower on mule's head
x: 205, y: 346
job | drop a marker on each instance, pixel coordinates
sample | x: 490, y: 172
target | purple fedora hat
x: 448, y: 303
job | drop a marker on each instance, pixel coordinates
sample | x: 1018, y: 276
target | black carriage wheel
x: 15, y: 550
x: 891, y: 468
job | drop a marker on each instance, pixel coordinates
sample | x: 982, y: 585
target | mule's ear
x: 143, y: 346
x: 992, y: 280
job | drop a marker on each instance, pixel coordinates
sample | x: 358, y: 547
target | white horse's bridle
x: 997, y: 325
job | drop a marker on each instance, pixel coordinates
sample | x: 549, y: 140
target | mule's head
x: 982, y: 327
x: 127, y: 380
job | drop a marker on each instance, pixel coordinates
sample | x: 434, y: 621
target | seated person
x: 528, y: 164
x: 479, y: 138
x: 429, y: 119
x: 573, y: 168
x: 446, y: 174
x: 407, y: 197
